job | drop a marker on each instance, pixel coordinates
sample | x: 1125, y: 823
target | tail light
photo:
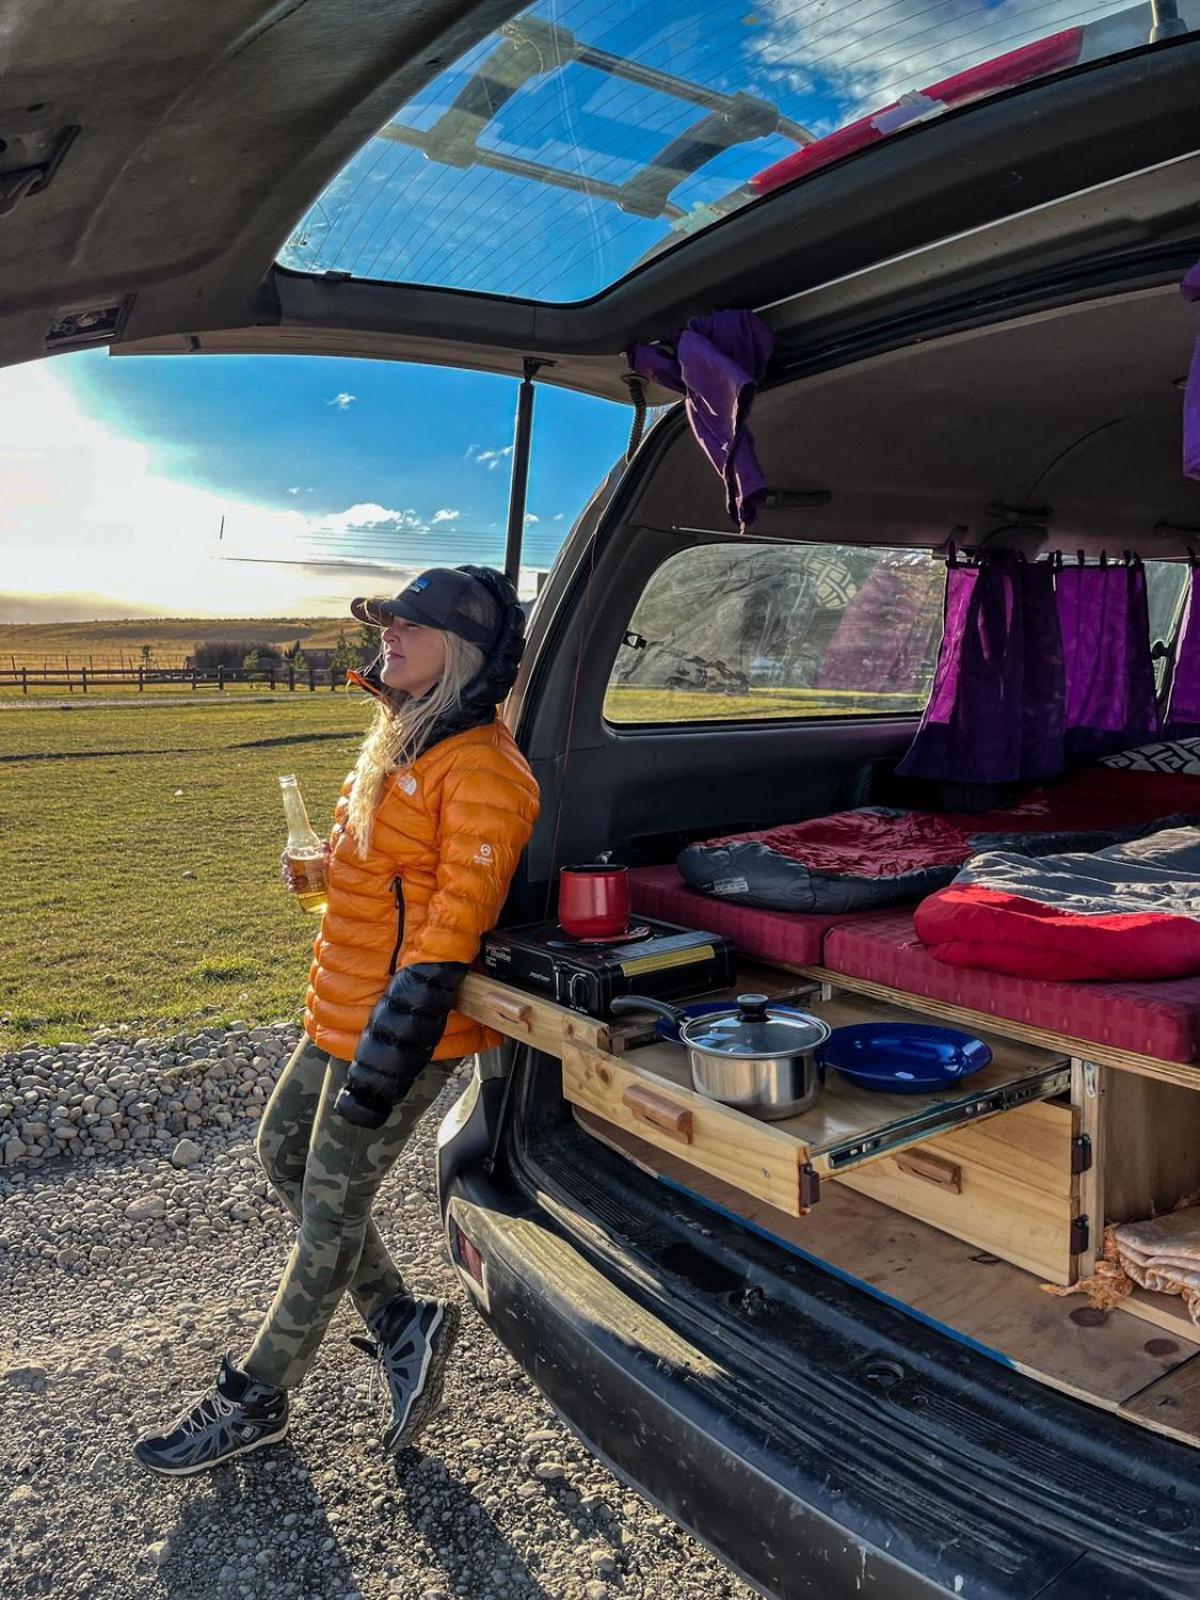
x: 468, y: 1258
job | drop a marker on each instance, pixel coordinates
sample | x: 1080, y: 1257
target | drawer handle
x: 659, y: 1112
x: 514, y: 1011
x: 931, y: 1169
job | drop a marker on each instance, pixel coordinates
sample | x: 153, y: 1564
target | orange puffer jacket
x: 448, y: 834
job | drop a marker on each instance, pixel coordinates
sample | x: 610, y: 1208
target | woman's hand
x: 285, y: 870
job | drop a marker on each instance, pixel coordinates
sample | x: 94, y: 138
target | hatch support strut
x: 519, y: 481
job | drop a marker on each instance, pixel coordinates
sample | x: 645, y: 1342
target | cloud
x: 530, y: 518
x: 342, y: 401
x: 369, y: 515
x: 490, y: 459
x: 445, y: 515
x: 558, y: 516
x: 850, y: 62
x: 295, y: 489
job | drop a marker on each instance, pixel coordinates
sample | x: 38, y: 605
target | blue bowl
x: 903, y: 1057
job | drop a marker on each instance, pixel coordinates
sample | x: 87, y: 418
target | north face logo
x: 483, y: 857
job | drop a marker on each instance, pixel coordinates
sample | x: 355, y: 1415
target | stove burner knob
x: 579, y: 989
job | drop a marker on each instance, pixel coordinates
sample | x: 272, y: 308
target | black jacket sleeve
x: 398, y: 1041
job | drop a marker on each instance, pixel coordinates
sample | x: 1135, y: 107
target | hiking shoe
x: 238, y: 1416
x: 412, y: 1345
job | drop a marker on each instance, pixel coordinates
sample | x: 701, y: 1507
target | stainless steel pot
x: 760, y: 1058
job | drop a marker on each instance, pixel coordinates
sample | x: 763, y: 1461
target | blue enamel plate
x: 903, y: 1057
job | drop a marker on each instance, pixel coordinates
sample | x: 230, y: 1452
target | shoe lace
x: 211, y: 1409
x: 388, y: 1365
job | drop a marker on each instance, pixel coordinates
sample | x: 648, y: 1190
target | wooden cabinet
x: 1006, y: 1186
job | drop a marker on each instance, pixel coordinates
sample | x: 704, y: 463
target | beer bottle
x: 304, y: 851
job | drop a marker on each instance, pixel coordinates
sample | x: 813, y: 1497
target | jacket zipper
x: 398, y: 891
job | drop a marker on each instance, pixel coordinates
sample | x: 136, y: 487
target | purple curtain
x: 1105, y: 623
x: 1183, y: 702
x: 995, y: 712
x: 1191, y: 400
x: 717, y: 362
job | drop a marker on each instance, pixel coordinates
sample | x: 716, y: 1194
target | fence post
x: 193, y: 677
x: 83, y: 675
x: 312, y: 678
x: 24, y: 681
x: 272, y: 677
x: 291, y: 676
x: 332, y: 681
x: 141, y: 680
x: 221, y: 678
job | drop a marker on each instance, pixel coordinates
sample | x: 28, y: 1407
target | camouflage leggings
x: 327, y: 1171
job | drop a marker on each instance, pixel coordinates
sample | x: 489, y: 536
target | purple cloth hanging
x: 717, y: 362
x: 1105, y: 621
x: 1190, y: 289
x: 995, y: 712
x: 1183, y: 702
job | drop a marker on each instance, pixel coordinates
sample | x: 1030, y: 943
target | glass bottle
x: 304, y: 851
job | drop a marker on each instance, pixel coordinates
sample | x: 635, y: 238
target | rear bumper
x: 622, y: 1386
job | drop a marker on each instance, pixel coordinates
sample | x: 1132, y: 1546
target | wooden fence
x: 85, y: 679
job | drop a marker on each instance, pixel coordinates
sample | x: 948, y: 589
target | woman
x: 426, y: 839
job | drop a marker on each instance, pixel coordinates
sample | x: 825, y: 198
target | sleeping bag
x: 1129, y: 911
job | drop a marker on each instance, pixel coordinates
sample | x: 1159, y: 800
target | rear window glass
x: 729, y: 632
x: 583, y: 137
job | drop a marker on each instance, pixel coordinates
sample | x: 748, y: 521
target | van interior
x: 977, y: 1209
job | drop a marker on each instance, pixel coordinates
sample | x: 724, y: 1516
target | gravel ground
x: 128, y: 1269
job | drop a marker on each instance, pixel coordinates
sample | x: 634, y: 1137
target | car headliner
x: 203, y: 133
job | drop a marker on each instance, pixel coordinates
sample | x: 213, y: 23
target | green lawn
x: 100, y: 925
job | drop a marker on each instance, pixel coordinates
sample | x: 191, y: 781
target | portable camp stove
x: 651, y: 958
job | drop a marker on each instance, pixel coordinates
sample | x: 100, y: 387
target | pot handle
x: 626, y: 1004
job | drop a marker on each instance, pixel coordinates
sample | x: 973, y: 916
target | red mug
x: 593, y: 901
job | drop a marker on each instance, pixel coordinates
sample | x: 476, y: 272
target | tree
x: 345, y: 656
x: 367, y: 643
x: 250, y: 662
x: 147, y: 656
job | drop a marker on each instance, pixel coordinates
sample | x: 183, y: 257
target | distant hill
x: 168, y: 637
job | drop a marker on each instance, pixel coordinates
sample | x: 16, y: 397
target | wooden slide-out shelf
x: 1002, y: 1184
x: 1014, y: 1193
x: 1115, y: 1362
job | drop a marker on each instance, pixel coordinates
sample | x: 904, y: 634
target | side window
x: 780, y: 631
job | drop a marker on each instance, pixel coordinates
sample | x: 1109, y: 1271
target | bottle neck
x: 295, y: 813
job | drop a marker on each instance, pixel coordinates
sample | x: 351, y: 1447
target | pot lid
x: 754, y: 1028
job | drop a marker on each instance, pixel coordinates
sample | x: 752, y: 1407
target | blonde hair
x: 397, y: 735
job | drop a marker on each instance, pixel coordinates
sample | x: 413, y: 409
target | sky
x: 226, y: 486
x: 393, y: 213
x: 131, y: 484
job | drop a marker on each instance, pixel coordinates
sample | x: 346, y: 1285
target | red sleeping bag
x: 1130, y: 911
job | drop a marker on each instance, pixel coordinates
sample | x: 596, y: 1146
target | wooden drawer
x: 753, y: 1156
x: 1005, y: 1185
x: 529, y: 1018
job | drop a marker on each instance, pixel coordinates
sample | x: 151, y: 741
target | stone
x: 146, y: 1208
x: 186, y: 1153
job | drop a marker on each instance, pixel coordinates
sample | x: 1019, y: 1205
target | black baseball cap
x: 442, y: 598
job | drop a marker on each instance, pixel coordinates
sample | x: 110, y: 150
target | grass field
x: 170, y: 638
x: 100, y: 925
